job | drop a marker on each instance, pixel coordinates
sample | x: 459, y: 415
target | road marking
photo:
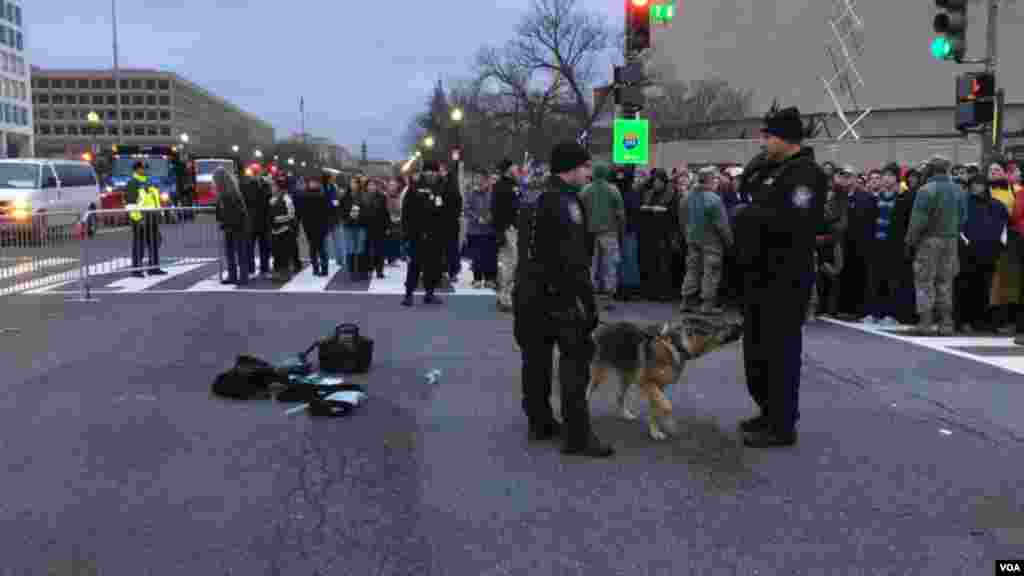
x: 305, y: 281
x: 56, y: 281
x: 393, y: 283
x: 948, y: 345
x: 134, y: 284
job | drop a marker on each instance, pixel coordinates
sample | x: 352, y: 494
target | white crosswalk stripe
x: 996, y: 351
x: 202, y: 276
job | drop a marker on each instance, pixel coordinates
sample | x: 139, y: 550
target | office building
x: 157, y: 107
x: 15, y: 92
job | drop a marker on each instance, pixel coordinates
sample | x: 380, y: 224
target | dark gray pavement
x: 117, y: 459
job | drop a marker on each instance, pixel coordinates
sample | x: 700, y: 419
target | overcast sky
x: 364, y: 67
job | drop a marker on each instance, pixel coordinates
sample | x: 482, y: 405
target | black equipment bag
x: 250, y: 378
x: 346, y: 351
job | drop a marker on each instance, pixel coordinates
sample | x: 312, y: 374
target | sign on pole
x: 631, y: 141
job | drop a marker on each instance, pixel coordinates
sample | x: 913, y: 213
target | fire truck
x: 163, y: 167
x: 203, y: 168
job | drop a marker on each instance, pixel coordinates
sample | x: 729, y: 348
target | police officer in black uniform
x: 554, y: 304
x: 425, y: 225
x: 775, y: 242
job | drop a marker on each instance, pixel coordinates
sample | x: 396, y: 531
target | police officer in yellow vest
x: 140, y: 194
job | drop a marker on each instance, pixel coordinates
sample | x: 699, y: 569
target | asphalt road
x: 117, y: 459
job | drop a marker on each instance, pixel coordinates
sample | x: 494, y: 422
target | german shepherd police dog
x: 652, y: 358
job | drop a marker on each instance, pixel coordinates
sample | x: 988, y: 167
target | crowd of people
x: 658, y: 235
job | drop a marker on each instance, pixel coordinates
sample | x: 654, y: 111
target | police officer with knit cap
x: 554, y: 304
x: 423, y: 219
x: 775, y: 239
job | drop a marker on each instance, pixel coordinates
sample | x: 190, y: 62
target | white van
x: 47, y: 193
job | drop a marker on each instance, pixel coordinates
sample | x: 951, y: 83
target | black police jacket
x: 424, y: 211
x: 775, y: 235
x: 553, y: 272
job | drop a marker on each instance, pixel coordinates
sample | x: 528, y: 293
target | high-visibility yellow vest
x: 148, y: 197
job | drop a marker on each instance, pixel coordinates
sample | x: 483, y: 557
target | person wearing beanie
x: 423, y: 220
x: 554, y: 304
x: 775, y: 238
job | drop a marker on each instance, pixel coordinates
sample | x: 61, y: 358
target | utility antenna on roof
x: 846, y: 44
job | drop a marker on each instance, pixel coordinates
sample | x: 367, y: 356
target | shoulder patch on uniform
x: 803, y: 197
x: 575, y: 214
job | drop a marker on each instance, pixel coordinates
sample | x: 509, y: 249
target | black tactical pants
x: 575, y: 353
x: 153, y: 238
x: 773, y: 348
x: 138, y: 243
x: 425, y: 264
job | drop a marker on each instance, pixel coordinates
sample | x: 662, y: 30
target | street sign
x: 663, y: 13
x: 630, y: 141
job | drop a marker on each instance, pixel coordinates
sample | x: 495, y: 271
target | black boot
x: 407, y: 301
x: 350, y: 265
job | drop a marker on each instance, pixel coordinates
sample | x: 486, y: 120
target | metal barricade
x: 186, y: 236
x: 39, y: 249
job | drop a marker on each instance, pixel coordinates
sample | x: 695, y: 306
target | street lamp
x: 235, y: 148
x: 184, y: 138
x: 428, y: 141
x: 94, y: 123
x: 258, y: 153
x: 291, y: 161
x: 457, y: 115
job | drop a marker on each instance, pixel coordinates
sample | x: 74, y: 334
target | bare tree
x: 693, y: 109
x: 560, y: 38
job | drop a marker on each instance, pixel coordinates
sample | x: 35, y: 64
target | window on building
x: 111, y: 114
x: 44, y: 129
x: 44, y: 98
x: 165, y: 85
x: 17, y: 15
x: 58, y: 114
x: 136, y: 84
x: 98, y: 100
x: 151, y: 115
x: 59, y: 130
x: 108, y: 84
x: 43, y: 83
x: 165, y: 100
x: 151, y: 84
x: 21, y: 41
x: 72, y: 130
x: 111, y: 100
x: 71, y: 99
x: 10, y: 12
x: 10, y: 37
x: 165, y: 130
x: 140, y: 130
x: 3, y: 35
x: 58, y: 99
x: 113, y: 130
x: 97, y: 84
x: 165, y: 116
x: 138, y: 100
x: 73, y: 114
x: 126, y: 114
x: 22, y: 91
x: 83, y: 84
x: 151, y: 100
x: 125, y: 85
x: 140, y: 114
x: 87, y: 130
x: 58, y: 83
x: 43, y: 114
x: 152, y: 130
x: 125, y: 100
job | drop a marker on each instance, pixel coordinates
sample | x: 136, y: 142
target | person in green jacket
x: 708, y: 234
x: 606, y: 216
x: 936, y: 221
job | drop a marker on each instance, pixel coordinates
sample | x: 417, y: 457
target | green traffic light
x: 941, y: 48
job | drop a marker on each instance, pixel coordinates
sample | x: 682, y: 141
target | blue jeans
x: 337, y: 240
x: 355, y: 240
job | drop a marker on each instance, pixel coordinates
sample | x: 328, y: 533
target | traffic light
x: 638, y: 25
x: 975, y: 100
x: 951, y: 25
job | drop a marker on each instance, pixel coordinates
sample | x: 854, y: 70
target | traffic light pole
x: 991, y: 144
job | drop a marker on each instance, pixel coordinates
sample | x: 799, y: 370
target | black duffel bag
x: 346, y: 351
x: 250, y: 378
